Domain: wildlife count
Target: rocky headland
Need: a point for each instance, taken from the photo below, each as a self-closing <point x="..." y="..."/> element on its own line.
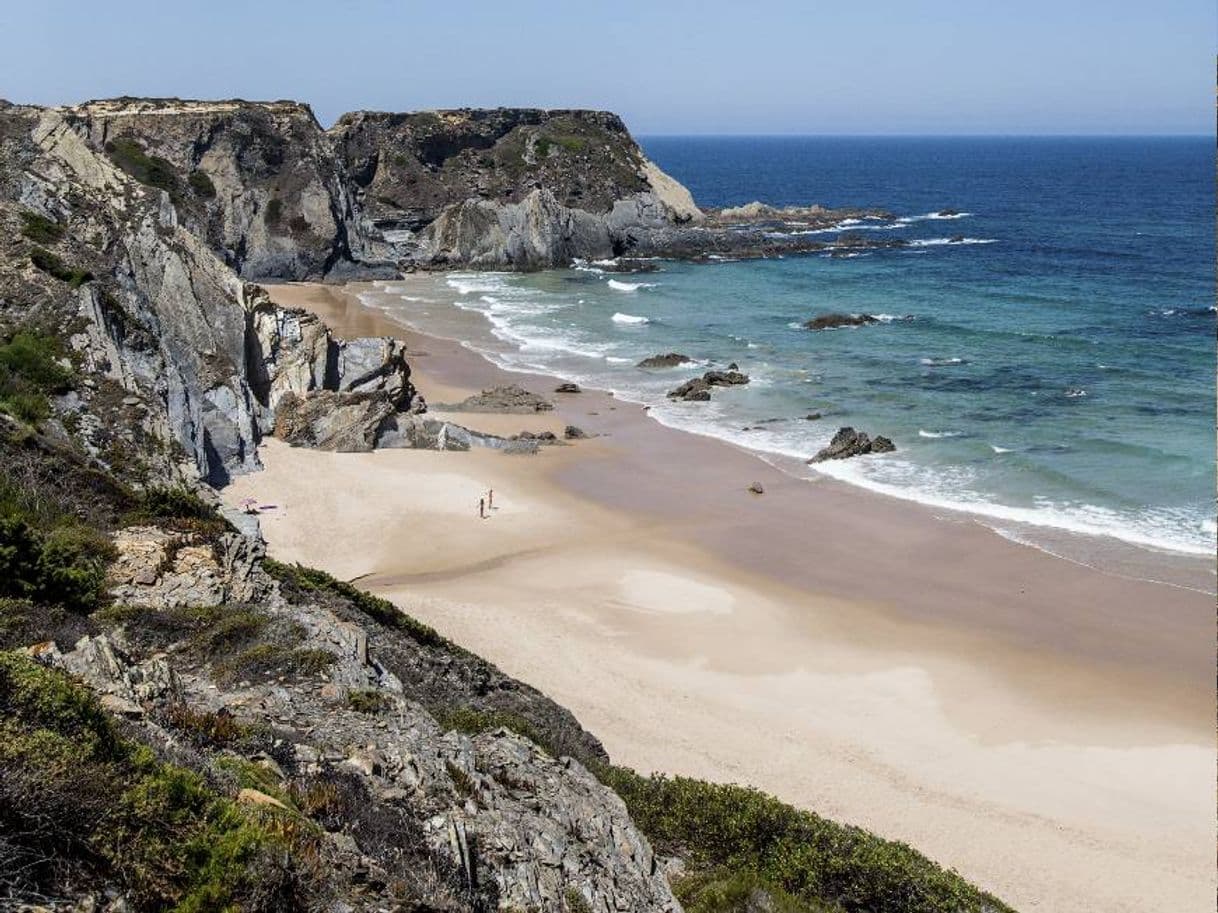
<point x="276" y="195"/>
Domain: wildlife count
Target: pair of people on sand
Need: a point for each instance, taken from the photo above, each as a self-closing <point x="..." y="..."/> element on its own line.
<point x="486" y="503"/>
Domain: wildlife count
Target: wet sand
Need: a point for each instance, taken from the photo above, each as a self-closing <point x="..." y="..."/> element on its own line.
<point x="1043" y="727"/>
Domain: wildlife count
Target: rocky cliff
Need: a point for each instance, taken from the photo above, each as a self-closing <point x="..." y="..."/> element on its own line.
<point x="275" y="195"/>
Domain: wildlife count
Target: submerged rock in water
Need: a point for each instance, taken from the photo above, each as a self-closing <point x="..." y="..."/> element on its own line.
<point x="669" y="360"/>
<point x="833" y="321"/>
<point x="850" y="443"/>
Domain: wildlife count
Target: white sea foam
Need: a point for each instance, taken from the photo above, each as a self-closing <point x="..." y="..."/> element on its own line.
<point x="629" y="319"/>
<point x="939" y="434"/>
<point x="619" y="286"/>
<point x="942" y="362"/>
<point x="997" y="449"/>
<point x="940" y="242"/>
<point x="1075" y="393"/>
<point x="1153" y="528"/>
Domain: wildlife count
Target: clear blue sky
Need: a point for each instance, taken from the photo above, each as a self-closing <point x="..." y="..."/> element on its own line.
<point x="668" y="66"/>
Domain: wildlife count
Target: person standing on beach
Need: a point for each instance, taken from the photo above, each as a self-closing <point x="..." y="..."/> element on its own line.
<point x="490" y="499"/>
<point x="482" y="508"/>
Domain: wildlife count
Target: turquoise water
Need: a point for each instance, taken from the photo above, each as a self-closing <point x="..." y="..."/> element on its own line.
<point x="1055" y="369"/>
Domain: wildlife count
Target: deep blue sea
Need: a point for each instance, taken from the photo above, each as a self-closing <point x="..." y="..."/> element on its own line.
<point x="1056" y="370"/>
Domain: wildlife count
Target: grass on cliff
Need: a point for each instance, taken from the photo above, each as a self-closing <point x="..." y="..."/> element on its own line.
<point x="30" y="373"/>
<point x="79" y="802"/>
<point x="54" y="267"/>
<point x="726" y="831"/>
<point x="304" y="580"/>
<point x="151" y="170"/>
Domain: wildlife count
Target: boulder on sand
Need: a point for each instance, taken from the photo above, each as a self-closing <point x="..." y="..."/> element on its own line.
<point x="850" y="443"/>
<point x="568" y="387"/>
<point x="511" y="398"/>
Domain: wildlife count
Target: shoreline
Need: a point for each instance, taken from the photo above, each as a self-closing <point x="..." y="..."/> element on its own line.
<point x="1018" y="717"/>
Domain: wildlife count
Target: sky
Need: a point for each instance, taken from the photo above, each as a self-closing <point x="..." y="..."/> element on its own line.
<point x="667" y="66"/>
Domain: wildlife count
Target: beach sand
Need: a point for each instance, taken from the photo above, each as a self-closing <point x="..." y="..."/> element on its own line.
<point x="1042" y="727"/>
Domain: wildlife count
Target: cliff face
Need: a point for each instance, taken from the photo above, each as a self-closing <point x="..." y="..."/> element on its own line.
<point x="184" y="363"/>
<point x="274" y="195"/>
<point x="522" y="188"/>
<point x="258" y="181"/>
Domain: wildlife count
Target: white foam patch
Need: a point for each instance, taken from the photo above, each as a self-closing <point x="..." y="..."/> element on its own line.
<point x="629" y="319"/>
<point x="619" y="286"/>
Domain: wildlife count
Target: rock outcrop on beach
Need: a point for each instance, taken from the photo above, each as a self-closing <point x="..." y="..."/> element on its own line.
<point x="850" y="443"/>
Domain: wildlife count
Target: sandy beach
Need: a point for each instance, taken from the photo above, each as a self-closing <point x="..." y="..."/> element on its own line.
<point x="1043" y="727"/>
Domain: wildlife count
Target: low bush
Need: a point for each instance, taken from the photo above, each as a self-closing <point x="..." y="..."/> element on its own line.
<point x="179" y="509"/>
<point x="64" y="566"/>
<point x="80" y="803"/>
<point x="366" y="700"/>
<point x="201" y="184"/>
<point x="734" y="829"/>
<point x="29" y="373"/>
<point x="306" y="580"/>
<point x="50" y="264"/>
<point x="473" y="722"/>
<point x="39" y="229"/>
<point x="152" y="170"/>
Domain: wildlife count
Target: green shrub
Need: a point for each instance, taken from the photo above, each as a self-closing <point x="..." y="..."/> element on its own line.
<point x="152" y="170"/>
<point x="181" y="510"/>
<point x="79" y="800"/>
<point x="308" y="580"/>
<point x="473" y="722"/>
<point x="739" y="892"/>
<point x="274" y="211"/>
<point x="56" y="268"/>
<point x="201" y="184"/>
<point x="733" y="829"/>
<point x="63" y="566"/>
<point x="39" y="229"/>
<point x="366" y="700"/>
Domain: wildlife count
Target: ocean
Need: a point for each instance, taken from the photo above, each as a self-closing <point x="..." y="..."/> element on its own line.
<point x="1053" y="374"/>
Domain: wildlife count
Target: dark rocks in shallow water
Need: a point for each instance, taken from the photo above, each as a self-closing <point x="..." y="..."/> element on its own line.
<point x="956" y="239"/>
<point x="541" y="437"/>
<point x="733" y="367"/>
<point x="670" y="360"/>
<point x="694" y="390"/>
<point x="812" y="416"/>
<point x="850" y="443"/>
<point x="833" y="321"/>
<point x="574" y="433"/>
<point x="698" y="389"/>
<point x="947" y="213"/>
<point x="568" y="388"/>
